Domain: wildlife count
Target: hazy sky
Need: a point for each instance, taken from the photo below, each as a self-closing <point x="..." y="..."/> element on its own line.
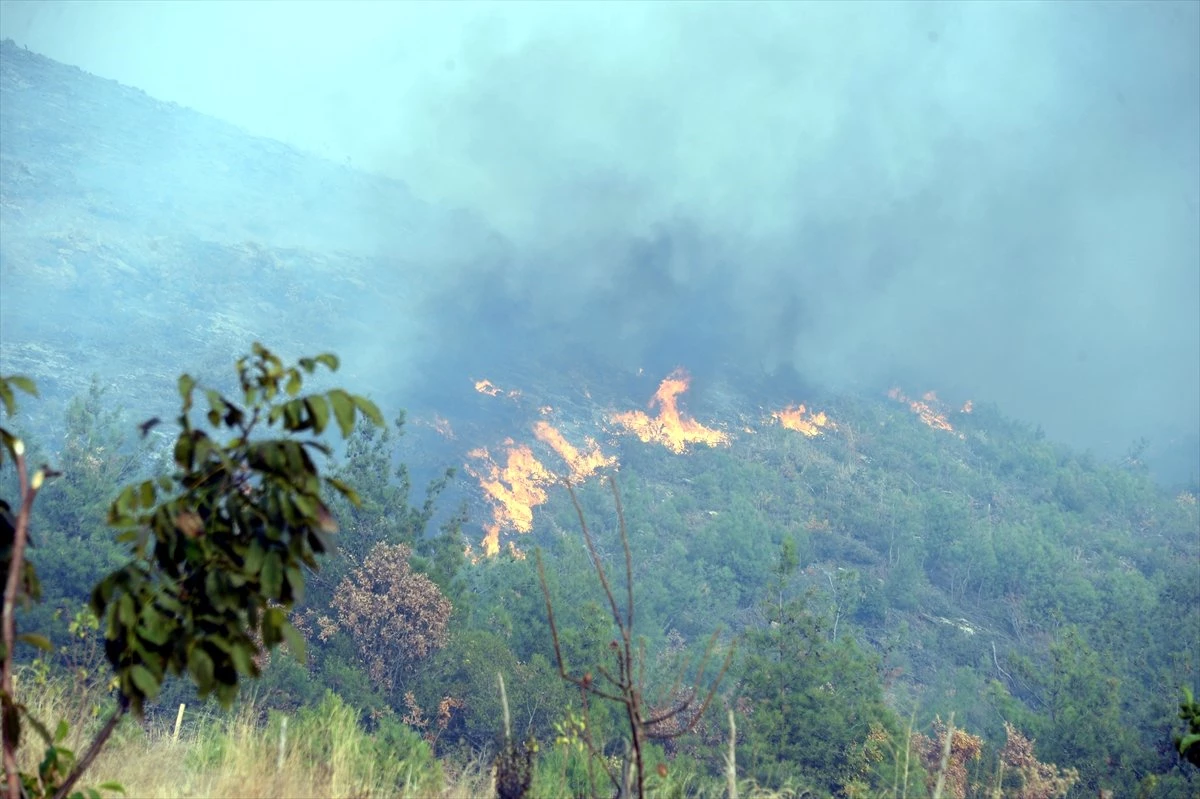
<point x="1000" y="200"/>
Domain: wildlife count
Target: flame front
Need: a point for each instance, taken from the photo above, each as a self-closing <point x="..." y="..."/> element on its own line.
<point x="513" y="491"/>
<point x="797" y="417"/>
<point x="487" y="387"/>
<point x="669" y="428"/>
<point x="924" y="409"/>
<point x="582" y="466"/>
<point x="492" y="390"/>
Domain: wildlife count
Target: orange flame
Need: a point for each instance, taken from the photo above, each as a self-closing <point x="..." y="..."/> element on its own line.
<point x="492" y="390"/>
<point x="513" y="491"/>
<point x="487" y="387"/>
<point x="670" y="428"/>
<point x="582" y="466"/>
<point x="924" y="409"/>
<point x="797" y="417"/>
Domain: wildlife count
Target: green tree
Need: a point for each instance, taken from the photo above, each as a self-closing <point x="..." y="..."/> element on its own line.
<point x="1083" y="703"/>
<point x="1188" y="743"/>
<point x="811" y="702"/>
<point x="218" y="548"/>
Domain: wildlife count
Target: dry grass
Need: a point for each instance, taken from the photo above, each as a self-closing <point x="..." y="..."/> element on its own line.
<point x="326" y="753"/>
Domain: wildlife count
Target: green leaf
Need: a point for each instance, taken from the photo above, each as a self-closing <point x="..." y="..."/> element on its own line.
<point x="200" y="665"/>
<point x="6" y="397"/>
<point x="307" y="364"/>
<point x="295" y="579"/>
<point x="369" y="410"/>
<point x="186" y="384"/>
<point x="40" y="641"/>
<point x="329" y="359"/>
<point x="272" y="575"/>
<point x="144" y="681"/>
<point x="253" y="562"/>
<point x="318" y="412"/>
<point x="217" y="406"/>
<point x="7" y="440"/>
<point x="125" y="612"/>
<point x="272" y="626"/>
<point x="291" y="417"/>
<point x="60" y="732"/>
<point x="343" y="488"/>
<point x="185" y="450"/>
<point x="293" y="383"/>
<point x="127" y="502"/>
<point x="234" y="416"/>
<point x="343" y="409"/>
<point x="243" y="660"/>
<point x="147" y="494"/>
<point x="153" y="628"/>
<point x="111" y="786"/>
<point x="295" y="642"/>
<point x="40" y="729"/>
<point x="24" y="383"/>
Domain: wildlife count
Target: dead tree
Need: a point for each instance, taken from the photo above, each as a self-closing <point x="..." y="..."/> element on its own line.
<point x="626" y="684"/>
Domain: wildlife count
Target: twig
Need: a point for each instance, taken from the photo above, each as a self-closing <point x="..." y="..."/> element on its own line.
<point x="731" y="759"/>
<point x="625" y="686"/>
<point x="941" y="777"/>
<point x="9" y="619"/>
<point x="98" y="742"/>
<point x="504" y="704"/>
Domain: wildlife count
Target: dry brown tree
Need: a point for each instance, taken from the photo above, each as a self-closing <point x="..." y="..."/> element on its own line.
<point x="395" y="615"/>
<point x="1037" y="780"/>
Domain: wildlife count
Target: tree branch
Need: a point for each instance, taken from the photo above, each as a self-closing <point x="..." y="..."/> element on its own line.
<point x="12" y="587"/>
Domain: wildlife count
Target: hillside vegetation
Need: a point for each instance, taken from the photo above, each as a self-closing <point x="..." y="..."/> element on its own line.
<point x="891" y="597"/>
<point x="878" y="581"/>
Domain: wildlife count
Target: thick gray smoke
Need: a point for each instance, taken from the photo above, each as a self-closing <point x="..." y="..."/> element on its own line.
<point x="996" y="200"/>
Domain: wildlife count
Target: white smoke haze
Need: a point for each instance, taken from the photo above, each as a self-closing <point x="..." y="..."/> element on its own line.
<point x="995" y="200"/>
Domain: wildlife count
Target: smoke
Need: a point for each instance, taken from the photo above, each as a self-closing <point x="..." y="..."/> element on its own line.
<point x="999" y="201"/>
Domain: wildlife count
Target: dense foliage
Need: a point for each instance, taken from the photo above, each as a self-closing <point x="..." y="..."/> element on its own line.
<point x="216" y="549"/>
<point x="989" y="609"/>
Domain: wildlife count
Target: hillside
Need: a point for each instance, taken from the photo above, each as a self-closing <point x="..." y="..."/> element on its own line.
<point x="885" y="556"/>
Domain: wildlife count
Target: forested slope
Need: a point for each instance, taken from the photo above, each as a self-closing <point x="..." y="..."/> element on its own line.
<point x="879" y="562"/>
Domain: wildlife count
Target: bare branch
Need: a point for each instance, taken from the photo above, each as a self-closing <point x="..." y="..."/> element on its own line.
<point x="12" y="585"/>
<point x="630" y="672"/>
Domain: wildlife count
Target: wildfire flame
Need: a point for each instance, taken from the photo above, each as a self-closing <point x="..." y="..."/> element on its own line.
<point x="492" y="390"/>
<point x="487" y="387"/>
<point x="669" y="428"/>
<point x="924" y="408"/>
<point x="514" y="491"/>
<point x="582" y="465"/>
<point x="799" y="418"/>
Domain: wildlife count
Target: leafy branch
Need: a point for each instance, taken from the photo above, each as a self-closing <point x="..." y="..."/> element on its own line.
<point x="218" y="549"/>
